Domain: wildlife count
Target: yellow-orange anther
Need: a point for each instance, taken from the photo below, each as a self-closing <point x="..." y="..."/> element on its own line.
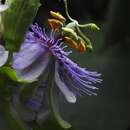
<point x="70" y="42"/>
<point x="55" y="24"/>
<point x="58" y="16"/>
<point x="81" y="47"/>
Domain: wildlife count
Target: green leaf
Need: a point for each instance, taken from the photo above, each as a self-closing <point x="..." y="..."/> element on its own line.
<point x="10" y="73"/>
<point x="16" y="21"/>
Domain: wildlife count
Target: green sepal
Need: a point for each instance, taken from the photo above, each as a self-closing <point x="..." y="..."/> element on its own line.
<point x="16" y="21"/>
<point x="11" y="74"/>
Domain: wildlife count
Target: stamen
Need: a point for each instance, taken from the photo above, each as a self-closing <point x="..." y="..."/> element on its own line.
<point x="70" y="42"/>
<point x="58" y="16"/>
<point x="81" y="47"/>
<point x="55" y="24"/>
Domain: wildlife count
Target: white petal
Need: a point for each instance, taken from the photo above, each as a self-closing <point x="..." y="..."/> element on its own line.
<point x="32" y="72"/>
<point x="3" y="55"/>
<point x="3" y="7"/>
<point x="70" y="96"/>
<point x="2" y="48"/>
<point x="27" y="55"/>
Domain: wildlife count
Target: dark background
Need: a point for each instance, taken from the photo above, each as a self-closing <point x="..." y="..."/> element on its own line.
<point x="110" y="110"/>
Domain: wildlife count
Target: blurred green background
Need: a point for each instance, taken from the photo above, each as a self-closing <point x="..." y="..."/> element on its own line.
<point x="110" y="110"/>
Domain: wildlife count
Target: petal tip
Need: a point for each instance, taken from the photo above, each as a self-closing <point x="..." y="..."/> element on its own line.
<point x="71" y="99"/>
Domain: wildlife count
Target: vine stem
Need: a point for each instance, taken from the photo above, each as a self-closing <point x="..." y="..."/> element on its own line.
<point x="73" y="20"/>
<point x="67" y="13"/>
<point x="53" y="100"/>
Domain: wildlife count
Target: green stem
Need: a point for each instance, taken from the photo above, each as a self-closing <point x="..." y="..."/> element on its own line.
<point x="53" y="104"/>
<point x="64" y="124"/>
<point x="67" y="13"/>
<point x="83" y="25"/>
<point x="75" y="21"/>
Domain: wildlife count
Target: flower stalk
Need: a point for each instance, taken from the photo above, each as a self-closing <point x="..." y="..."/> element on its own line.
<point x="53" y="101"/>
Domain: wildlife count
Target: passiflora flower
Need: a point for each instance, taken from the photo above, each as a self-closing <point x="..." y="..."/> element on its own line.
<point x="36" y="54"/>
